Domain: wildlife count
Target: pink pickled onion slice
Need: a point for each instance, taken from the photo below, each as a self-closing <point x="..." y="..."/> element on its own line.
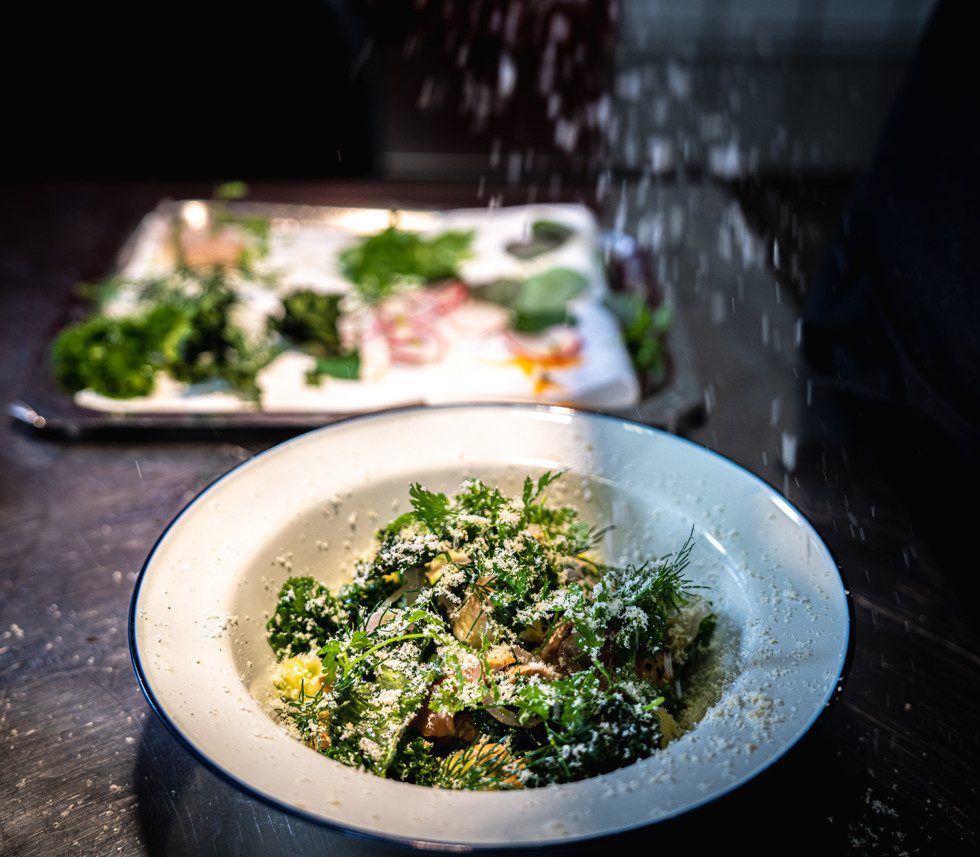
<point x="415" y="343"/>
<point x="448" y="297"/>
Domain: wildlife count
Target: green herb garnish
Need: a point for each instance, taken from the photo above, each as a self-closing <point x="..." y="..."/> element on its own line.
<point x="539" y="302"/>
<point x="546" y="235"/>
<point x="395" y="258"/>
<point x="182" y="325"/>
<point x="310" y="323"/>
<point x="644" y="330"/>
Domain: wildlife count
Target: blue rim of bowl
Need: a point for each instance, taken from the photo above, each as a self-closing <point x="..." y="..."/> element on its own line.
<point x="449" y="847"/>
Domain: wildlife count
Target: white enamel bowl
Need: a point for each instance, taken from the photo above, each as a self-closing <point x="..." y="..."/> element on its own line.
<point x="306" y="506"/>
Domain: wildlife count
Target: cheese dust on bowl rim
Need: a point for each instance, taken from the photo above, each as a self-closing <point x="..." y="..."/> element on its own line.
<point x="312" y="505"/>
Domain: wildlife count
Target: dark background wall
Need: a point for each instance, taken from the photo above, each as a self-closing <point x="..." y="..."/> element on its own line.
<point x="187" y="89"/>
<point x="319" y="88"/>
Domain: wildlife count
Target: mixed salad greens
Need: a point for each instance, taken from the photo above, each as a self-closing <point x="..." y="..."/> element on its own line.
<point x="485" y="645"/>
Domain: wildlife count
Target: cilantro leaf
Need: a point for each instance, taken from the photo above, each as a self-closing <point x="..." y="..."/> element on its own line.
<point x="430" y="507"/>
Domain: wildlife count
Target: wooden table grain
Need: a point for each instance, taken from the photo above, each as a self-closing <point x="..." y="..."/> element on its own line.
<point x="86" y="768"/>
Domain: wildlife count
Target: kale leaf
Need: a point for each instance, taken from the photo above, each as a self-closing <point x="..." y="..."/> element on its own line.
<point x="306" y="616"/>
<point x="415" y="762"/>
<point x="592" y="728"/>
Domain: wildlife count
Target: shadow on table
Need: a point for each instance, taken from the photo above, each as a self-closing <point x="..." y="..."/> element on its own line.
<point x="185" y="809"/>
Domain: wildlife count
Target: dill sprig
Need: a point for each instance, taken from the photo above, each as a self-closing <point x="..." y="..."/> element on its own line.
<point x="482" y="765"/>
<point x="626" y="614"/>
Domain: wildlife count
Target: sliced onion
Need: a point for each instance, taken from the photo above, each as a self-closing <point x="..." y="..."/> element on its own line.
<point x="374" y="620"/>
<point x="418" y="348"/>
<point x="448" y="297"/>
<point x="404" y="307"/>
<point x="412" y="341"/>
<point x="480" y="317"/>
<point x="502" y="715"/>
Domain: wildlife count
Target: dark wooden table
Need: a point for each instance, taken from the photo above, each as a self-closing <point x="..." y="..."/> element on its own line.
<point x="85" y="767"/>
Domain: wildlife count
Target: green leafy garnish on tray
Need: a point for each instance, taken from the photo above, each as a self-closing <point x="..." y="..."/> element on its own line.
<point x="546" y="235"/>
<point x="346" y="367"/>
<point x="181" y="325"/>
<point x="115" y="357"/>
<point x="539" y="302"/>
<point x="189" y="324"/>
<point x="543" y="299"/>
<point x="644" y="330"/>
<point x="310" y="323"/>
<point x="484" y="644"/>
<point x="381" y="263"/>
